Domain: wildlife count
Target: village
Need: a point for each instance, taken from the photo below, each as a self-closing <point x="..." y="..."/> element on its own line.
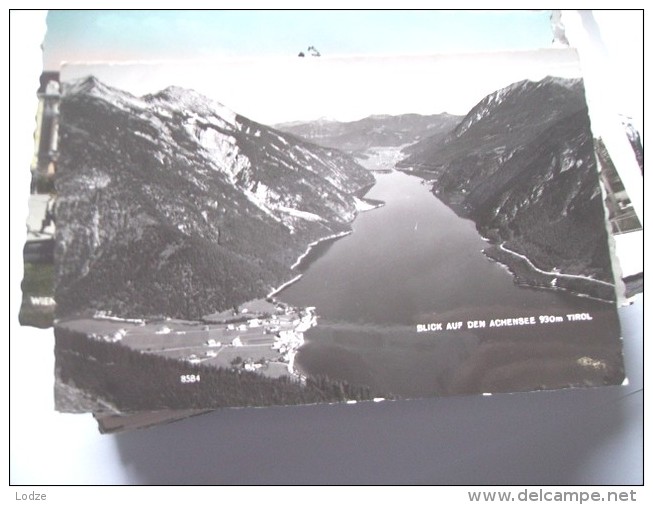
<point x="259" y="336"/>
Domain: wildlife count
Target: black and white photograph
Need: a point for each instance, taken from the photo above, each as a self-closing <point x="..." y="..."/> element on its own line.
<point x="320" y="230"/>
<point x="327" y="246"/>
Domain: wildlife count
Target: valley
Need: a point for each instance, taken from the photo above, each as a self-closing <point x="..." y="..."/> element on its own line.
<point x="203" y="243"/>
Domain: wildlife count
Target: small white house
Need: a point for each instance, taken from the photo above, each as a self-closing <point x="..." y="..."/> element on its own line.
<point x="117" y="336"/>
<point x="252" y="367"/>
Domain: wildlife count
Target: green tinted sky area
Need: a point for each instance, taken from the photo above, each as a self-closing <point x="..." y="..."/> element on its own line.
<point x="137" y="35"/>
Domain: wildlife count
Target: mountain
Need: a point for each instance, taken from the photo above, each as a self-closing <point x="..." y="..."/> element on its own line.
<point x="521" y="165"/>
<point x="372" y="131"/>
<point x="171" y="204"/>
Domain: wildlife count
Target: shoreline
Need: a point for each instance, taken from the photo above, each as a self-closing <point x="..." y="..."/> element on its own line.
<point x="305" y="323"/>
<point x="362" y="204"/>
<point x="525" y="274"/>
<point x="313" y="244"/>
<point x="277" y="290"/>
<point x="549" y="272"/>
<point x="366" y="204"/>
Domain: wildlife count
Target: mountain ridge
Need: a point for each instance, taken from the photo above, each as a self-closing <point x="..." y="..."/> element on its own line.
<point x="171" y="204"/>
<point x="521" y="165"/>
<point x="380" y="130"/>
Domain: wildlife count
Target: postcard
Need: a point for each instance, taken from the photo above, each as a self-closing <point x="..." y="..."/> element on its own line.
<point x="309" y="230"/>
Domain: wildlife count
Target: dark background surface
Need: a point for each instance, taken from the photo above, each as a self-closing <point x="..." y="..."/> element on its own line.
<point x="591" y="436"/>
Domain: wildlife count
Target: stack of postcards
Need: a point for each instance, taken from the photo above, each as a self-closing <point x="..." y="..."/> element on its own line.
<point x="322" y="229"/>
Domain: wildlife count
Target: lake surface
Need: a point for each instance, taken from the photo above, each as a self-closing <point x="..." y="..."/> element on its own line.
<point x="414" y="261"/>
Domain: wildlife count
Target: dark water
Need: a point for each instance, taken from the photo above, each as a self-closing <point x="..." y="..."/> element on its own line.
<point x="414" y="261"/>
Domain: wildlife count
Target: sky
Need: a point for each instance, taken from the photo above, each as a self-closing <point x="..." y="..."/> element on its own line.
<point x="136" y="35"/>
<point x="247" y="60"/>
<point x="273" y="90"/>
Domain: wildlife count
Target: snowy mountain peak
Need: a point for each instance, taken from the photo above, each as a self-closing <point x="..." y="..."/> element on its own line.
<point x="190" y="101"/>
<point x="573" y="84"/>
<point x="517" y="97"/>
<point x="92" y="86"/>
<point x="185" y="101"/>
<point x="87" y="85"/>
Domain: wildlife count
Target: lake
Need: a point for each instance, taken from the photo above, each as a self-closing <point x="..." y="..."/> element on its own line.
<point x="414" y="261"/>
